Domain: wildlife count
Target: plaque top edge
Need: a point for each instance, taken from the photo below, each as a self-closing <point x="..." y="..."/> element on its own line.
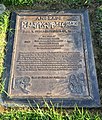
<point x="52" y="12"/>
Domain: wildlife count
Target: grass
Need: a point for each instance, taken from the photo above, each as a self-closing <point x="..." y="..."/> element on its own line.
<point x="48" y="114"/>
<point x="95" y="11"/>
<point x="17" y="2"/>
<point x="96" y="30"/>
<point x="50" y="4"/>
<point x="3" y="30"/>
<point x="31" y="2"/>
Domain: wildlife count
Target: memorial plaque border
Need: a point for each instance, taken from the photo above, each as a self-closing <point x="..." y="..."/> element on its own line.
<point x="92" y="100"/>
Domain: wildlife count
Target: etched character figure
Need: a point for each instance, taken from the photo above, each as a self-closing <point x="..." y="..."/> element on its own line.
<point x="22" y="83"/>
<point x="82" y="81"/>
<point x="73" y="85"/>
<point x="76" y="83"/>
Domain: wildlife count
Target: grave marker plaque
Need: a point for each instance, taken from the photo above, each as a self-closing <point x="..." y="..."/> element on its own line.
<point x="50" y="57"/>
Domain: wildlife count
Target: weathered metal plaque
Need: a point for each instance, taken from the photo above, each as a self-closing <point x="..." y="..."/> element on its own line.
<point x="51" y="58"/>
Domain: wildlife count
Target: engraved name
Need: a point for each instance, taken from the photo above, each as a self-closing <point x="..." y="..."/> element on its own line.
<point x="47" y="25"/>
<point x="48" y="18"/>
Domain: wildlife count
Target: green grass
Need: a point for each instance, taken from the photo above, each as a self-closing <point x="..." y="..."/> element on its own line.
<point x="48" y="114"/>
<point x="96" y="30"/>
<point x="3" y="30"/>
<point x="95" y="11"/>
<point x="17" y="2"/>
<point x="50" y="4"/>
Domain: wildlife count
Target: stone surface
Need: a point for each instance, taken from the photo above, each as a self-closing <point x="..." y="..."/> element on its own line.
<point x="2" y="8"/>
<point x="50" y="57"/>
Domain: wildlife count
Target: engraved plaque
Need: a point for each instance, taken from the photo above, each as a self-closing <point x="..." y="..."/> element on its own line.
<point x="51" y="58"/>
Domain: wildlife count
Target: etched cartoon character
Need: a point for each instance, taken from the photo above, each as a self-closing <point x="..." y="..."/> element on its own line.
<point x="73" y="85"/>
<point x="22" y="83"/>
<point x="76" y="83"/>
<point x="81" y="80"/>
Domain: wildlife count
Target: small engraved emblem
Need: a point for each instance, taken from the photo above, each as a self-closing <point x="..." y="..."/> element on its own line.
<point x="22" y="83"/>
<point x="77" y="83"/>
